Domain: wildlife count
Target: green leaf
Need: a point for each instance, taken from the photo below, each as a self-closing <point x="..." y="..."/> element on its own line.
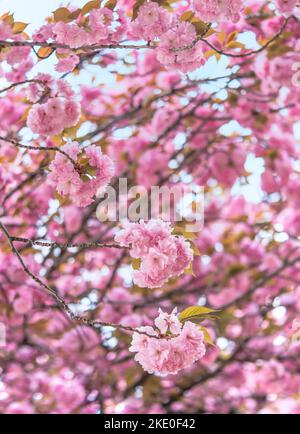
<point x="85" y="178"/>
<point x="200" y="26"/>
<point x="8" y="18"/>
<point x="231" y="37"/>
<point x="195" y="248"/>
<point x="92" y="171"/>
<point x="111" y="4"/>
<point x="94" y="4"/>
<point x="45" y="52"/>
<point x="235" y="269"/>
<point x="180" y="230"/>
<point x="277" y="49"/>
<point x="189" y="269"/>
<point x="207" y="338"/>
<point x="74" y="15"/>
<point x="235" y="44"/>
<point x="136" y="263"/>
<point x="62" y="14"/>
<point x="187" y="16"/>
<point x="71" y="131"/>
<point x="19" y="27"/>
<point x="61" y="199"/>
<point x="194" y="312"/>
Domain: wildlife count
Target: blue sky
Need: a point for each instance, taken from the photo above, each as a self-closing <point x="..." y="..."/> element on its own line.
<point x="33" y="11"/>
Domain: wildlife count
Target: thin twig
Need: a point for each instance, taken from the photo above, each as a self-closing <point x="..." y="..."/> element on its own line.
<point x="65" y="245"/>
<point x="40" y="148"/>
<point x="77" y="318"/>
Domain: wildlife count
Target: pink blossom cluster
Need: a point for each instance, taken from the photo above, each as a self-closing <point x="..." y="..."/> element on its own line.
<point x="162" y="254"/>
<point x="11" y="110"/>
<point x="44" y="86"/>
<point x="97" y="29"/>
<point x="75" y="36"/>
<point x="177" y="47"/>
<point x="67" y="63"/>
<point x="174" y="347"/>
<point x="287" y="7"/>
<point x="59" y="111"/>
<point x="216" y="10"/>
<point x="280" y="71"/>
<point x="152" y="21"/>
<point x="18" y="58"/>
<point x="73" y="181"/>
<point x="53" y="117"/>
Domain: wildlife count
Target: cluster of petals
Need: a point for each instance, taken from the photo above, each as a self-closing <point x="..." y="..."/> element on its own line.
<point x="45" y="86"/>
<point x="67" y="63"/>
<point x="72" y="181"/>
<point x="288" y="7"/>
<point x="173" y="347"/>
<point x="59" y="111"/>
<point x="54" y="116"/>
<point x="152" y="21"/>
<point x="97" y="30"/>
<point x="216" y="10"/>
<point x="11" y="111"/>
<point x="176" y="48"/>
<point x="74" y="35"/>
<point x="162" y="254"/>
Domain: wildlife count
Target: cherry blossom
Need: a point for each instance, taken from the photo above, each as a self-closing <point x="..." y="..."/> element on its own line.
<point x="162" y="254"/>
<point x="168" y="354"/>
<point x="214" y="10"/>
<point x="176" y="48"/>
<point x="53" y="117"/>
<point x="70" y="180"/>
<point x="152" y="21"/>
